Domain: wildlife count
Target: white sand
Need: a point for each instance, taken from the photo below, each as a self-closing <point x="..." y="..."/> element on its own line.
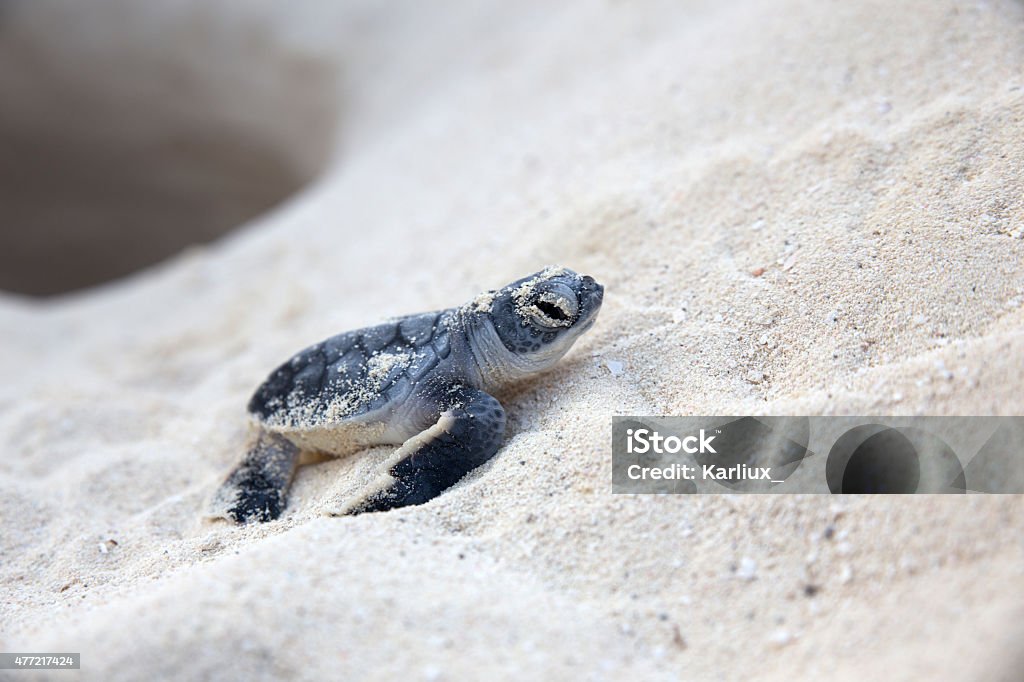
<point x="867" y="156"/>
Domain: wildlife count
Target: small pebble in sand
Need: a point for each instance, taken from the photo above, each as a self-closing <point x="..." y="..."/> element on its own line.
<point x="845" y="574"/>
<point x="615" y="367"/>
<point x="747" y="569"/>
<point x="780" y="638"/>
<point x="678" y="639"/>
<point x="757" y="272"/>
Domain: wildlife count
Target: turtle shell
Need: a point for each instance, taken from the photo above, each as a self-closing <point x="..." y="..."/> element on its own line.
<point x="353" y="374"/>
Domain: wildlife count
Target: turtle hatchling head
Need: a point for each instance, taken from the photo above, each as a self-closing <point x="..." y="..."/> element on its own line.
<point x="536" y="319"/>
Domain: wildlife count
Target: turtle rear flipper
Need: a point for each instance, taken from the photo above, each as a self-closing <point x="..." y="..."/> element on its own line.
<point x="256" y="490"/>
<point x="468" y="432"/>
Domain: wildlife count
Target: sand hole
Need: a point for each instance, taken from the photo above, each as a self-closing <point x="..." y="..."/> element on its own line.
<point x="129" y="131"/>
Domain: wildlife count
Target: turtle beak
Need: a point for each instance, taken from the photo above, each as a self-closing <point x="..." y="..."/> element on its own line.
<point x="592" y="293"/>
<point x="591" y="296"/>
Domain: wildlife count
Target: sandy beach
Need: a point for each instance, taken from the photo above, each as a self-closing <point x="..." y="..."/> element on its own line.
<point x="795" y="207"/>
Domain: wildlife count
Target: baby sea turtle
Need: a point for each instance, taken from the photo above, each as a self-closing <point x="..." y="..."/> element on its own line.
<point x="424" y="381"/>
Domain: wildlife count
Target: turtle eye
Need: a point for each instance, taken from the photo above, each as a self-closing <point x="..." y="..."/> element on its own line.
<point x="553" y="310"/>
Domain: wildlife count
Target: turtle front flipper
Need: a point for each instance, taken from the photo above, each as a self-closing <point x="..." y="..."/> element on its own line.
<point x="468" y="432"/>
<point x="257" y="488"/>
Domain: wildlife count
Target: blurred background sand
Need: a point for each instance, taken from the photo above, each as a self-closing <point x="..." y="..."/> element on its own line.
<point x="795" y="207"/>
